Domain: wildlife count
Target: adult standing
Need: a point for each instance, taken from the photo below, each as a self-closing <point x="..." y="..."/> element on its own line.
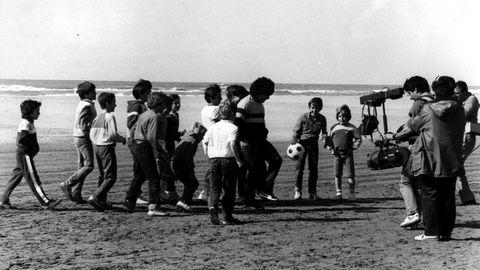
<point x="470" y="104"/>
<point x="436" y="157"/>
<point x="418" y="89"/>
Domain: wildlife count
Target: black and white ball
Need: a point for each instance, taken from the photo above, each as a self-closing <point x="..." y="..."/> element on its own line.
<point x="295" y="151"/>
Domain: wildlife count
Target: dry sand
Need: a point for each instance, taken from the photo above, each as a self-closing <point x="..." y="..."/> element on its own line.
<point x="325" y="234"/>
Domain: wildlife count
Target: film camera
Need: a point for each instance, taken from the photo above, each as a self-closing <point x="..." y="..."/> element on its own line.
<point x="389" y="154"/>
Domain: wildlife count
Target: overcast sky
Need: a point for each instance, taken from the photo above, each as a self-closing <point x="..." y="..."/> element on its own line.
<point x="318" y="41"/>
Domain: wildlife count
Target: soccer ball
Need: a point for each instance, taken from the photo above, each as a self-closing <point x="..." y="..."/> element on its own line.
<point x="295" y="151"/>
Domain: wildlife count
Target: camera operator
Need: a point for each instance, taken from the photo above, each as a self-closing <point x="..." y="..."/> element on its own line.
<point x="470" y="104"/>
<point x="418" y="89"/>
<point x="436" y="157"/>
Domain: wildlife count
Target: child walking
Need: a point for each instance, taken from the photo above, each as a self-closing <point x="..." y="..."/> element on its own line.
<point x="27" y="148"/>
<point x="210" y="115"/>
<point x="84" y="116"/>
<point x="148" y="136"/>
<point x="104" y="137"/>
<point x="221" y="147"/>
<point x="140" y="92"/>
<point x="183" y="166"/>
<point x="172" y="136"/>
<point x="307" y="131"/>
<point x="345" y="138"/>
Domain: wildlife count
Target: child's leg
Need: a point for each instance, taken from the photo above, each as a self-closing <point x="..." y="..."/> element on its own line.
<point x="299" y="169"/>
<point x="99" y="153"/>
<point x="107" y="159"/>
<point x="33" y="180"/>
<point x="229" y="168"/>
<point x="215" y="182"/>
<point x="350" y="168"/>
<point x="146" y="158"/>
<point x="139" y="178"/>
<point x="85" y="164"/>
<point x="274" y="160"/>
<point x="15" y="180"/>
<point x="313" y="169"/>
<point x="338" y="167"/>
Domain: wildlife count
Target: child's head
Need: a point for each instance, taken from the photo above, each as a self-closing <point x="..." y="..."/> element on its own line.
<point x="343" y="114"/>
<point x="461" y="91"/>
<point x="107" y="101"/>
<point x="157" y="102"/>
<point x="198" y="131"/>
<point x="261" y="89"/>
<point x="141" y="90"/>
<point x="213" y="94"/>
<point x="444" y="87"/>
<point x="30" y="109"/>
<point x="415" y="86"/>
<point x="86" y="90"/>
<point x="236" y="92"/>
<point x="227" y="110"/>
<point x="175" y="102"/>
<point x="315" y="105"/>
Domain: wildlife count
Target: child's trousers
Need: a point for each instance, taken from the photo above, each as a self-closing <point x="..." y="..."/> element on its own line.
<point x="107" y="166"/>
<point x="186" y="175"/>
<point x="224" y="175"/>
<point x="25" y="168"/>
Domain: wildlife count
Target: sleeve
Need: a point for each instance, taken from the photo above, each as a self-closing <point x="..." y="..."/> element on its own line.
<point x="232" y="136"/>
<point x="216" y="114"/>
<point x="416" y="123"/>
<point x="190" y="154"/>
<point x="132" y="116"/>
<point x="85" y="119"/>
<point x="297" y="130"/>
<point x="471" y="107"/>
<point x="112" y="130"/>
<point x="324" y="126"/>
<point x="23" y="137"/>
<point x="357" y="137"/>
<point x="206" y="139"/>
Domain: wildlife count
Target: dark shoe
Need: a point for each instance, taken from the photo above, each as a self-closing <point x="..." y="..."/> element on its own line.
<point x="7" y="206"/>
<point x="471" y="202"/>
<point x="78" y="199"/>
<point x="129" y="205"/>
<point x="51" y="204"/>
<point x="214" y="216"/>
<point x="67" y="190"/>
<point x="231" y="221"/>
<point x="96" y="203"/>
<point x="253" y="206"/>
<point x="108" y="205"/>
<point x="444" y="238"/>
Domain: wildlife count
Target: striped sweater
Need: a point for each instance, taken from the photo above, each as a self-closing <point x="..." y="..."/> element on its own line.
<point x="104" y="130"/>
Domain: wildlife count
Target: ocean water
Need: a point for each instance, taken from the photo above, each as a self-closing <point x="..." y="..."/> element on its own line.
<point x="124" y="88"/>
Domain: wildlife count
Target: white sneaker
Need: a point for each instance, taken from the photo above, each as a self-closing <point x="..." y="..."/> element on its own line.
<point x="203" y="195"/>
<point x="153" y="211"/>
<point x="338" y="195"/>
<point x="410" y="220"/>
<point x="423" y="237"/>
<point x="184" y="206"/>
<point x="297" y="195"/>
<point x="141" y="201"/>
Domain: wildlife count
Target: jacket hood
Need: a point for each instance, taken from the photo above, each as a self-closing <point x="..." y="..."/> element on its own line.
<point x="133" y="102"/>
<point x="443" y="108"/>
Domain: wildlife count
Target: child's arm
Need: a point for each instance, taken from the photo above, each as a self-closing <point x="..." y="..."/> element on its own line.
<point x="236" y="152"/>
<point x="85" y="119"/>
<point x="113" y="132"/>
<point x="323" y="131"/>
<point x="133" y="116"/>
<point x="357" y="138"/>
<point x="205" y="140"/>
<point x="297" y="130"/>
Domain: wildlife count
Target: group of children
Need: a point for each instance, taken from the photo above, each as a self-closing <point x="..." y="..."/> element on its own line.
<point x="233" y="136"/>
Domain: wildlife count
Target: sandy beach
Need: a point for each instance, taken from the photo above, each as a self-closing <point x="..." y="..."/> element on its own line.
<point x="326" y="234"/>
